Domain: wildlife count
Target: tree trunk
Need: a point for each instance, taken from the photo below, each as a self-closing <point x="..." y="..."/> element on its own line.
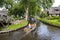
<point x="2" y="24"/>
<point x="26" y="14"/>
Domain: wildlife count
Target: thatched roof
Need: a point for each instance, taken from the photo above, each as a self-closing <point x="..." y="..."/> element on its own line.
<point x="3" y="12"/>
<point x="54" y="10"/>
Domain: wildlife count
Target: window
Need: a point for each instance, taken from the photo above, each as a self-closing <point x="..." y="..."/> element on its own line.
<point x="56" y="9"/>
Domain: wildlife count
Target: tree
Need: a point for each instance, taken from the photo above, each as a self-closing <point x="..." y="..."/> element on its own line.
<point x="16" y="9"/>
<point x="34" y="10"/>
<point x="6" y="3"/>
<point x="34" y="4"/>
<point x="43" y="15"/>
<point x="41" y="3"/>
<point x="1" y="3"/>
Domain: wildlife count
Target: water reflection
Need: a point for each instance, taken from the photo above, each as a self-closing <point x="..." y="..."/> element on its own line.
<point x="43" y="32"/>
<point x="55" y="33"/>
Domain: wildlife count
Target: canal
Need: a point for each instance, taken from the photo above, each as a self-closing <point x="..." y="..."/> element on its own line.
<point x="42" y="32"/>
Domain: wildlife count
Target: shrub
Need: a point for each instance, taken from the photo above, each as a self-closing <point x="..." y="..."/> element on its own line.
<point x="43" y="15"/>
<point x="49" y="18"/>
<point x="58" y="20"/>
<point x="52" y="18"/>
<point x="55" y="17"/>
<point x="16" y="10"/>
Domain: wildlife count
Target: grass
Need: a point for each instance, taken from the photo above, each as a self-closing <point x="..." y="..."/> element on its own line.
<point x="54" y="22"/>
<point x="15" y="26"/>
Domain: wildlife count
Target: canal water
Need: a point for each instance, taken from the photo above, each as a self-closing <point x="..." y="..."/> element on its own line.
<point x="42" y="32"/>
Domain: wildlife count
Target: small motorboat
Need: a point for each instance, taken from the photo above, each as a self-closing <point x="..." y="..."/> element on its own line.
<point x="30" y="27"/>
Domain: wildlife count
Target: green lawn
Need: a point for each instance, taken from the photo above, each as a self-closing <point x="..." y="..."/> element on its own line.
<point x="54" y="22"/>
<point x="16" y="26"/>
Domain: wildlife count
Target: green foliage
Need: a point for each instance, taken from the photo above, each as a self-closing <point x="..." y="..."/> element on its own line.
<point x="17" y="10"/>
<point x="55" y="17"/>
<point x="10" y="2"/>
<point x="52" y="17"/>
<point x="47" y="3"/>
<point x="34" y="6"/>
<point x="32" y="0"/>
<point x="49" y="18"/>
<point x="41" y="3"/>
<point x="33" y="10"/>
<point x="43" y="15"/>
<point x="59" y="20"/>
<point x="1" y="3"/>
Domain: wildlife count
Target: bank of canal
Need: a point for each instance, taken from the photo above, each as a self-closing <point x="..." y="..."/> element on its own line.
<point x="42" y="32"/>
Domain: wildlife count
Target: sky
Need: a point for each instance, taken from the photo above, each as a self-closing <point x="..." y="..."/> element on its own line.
<point x="56" y="3"/>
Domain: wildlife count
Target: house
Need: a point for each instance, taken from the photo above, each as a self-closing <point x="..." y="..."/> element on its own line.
<point x="54" y="11"/>
<point x="3" y="13"/>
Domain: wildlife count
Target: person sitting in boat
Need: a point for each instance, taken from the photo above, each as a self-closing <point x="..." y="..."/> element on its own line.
<point x="29" y="26"/>
<point x="32" y="20"/>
